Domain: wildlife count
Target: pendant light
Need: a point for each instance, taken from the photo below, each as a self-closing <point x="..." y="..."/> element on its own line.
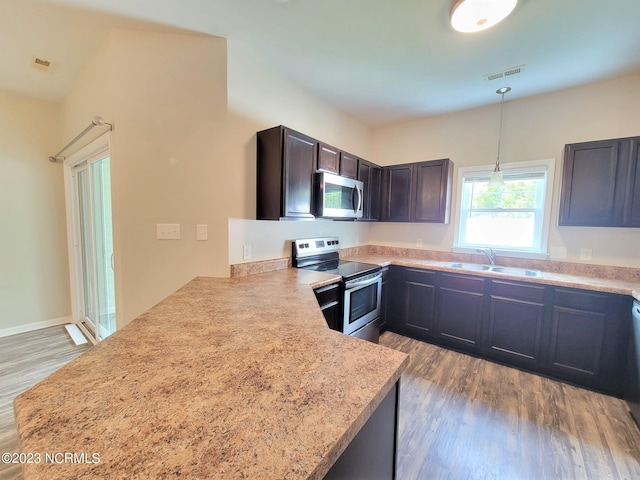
<point x="469" y="16"/>
<point x="496" y="179"/>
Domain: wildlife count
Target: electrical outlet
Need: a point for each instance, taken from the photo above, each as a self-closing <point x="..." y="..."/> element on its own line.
<point x="201" y="232"/>
<point x="418" y="242"/>
<point x="585" y="254"/>
<point x="246" y="253"/>
<point x="558" y="252"/>
<point x="168" y="231"/>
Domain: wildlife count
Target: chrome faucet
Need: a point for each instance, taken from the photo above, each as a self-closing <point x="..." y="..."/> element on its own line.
<point x="491" y="255"/>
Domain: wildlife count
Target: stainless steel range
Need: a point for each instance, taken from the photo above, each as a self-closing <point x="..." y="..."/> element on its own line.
<point x="361" y="282"/>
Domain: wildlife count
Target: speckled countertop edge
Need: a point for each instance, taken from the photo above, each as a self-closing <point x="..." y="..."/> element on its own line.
<point x="226" y="378"/>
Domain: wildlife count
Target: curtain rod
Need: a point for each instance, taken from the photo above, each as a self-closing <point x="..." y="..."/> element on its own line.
<point x="97" y="121"/>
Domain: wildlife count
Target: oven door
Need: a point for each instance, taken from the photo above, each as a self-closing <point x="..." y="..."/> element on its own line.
<point x="361" y="301"/>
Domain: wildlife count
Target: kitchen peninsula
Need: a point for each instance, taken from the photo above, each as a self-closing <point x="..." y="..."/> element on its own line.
<point x="226" y="378"/>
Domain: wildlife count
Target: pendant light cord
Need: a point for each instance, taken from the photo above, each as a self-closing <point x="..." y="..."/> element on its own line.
<point x="497" y="169"/>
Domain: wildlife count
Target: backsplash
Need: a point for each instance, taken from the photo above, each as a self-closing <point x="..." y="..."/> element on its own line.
<point x="624" y="274"/>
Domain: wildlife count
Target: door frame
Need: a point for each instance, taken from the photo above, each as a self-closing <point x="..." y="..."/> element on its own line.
<point x="96" y="147"/>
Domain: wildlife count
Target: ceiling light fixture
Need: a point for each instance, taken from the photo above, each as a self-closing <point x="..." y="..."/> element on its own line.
<point x="496" y="179"/>
<point x="470" y="16"/>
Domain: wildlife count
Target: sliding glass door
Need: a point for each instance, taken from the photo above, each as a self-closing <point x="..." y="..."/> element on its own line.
<point x="93" y="246"/>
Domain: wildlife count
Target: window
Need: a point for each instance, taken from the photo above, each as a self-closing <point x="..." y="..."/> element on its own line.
<point x="514" y="219"/>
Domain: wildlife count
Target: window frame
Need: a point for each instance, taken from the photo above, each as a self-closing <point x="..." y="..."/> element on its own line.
<point x="548" y="166"/>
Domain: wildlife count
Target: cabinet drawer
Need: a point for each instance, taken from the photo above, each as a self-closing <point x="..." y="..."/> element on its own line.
<point x="328" y="294"/>
<point x="461" y="282"/>
<point x="580" y="299"/>
<point x="420" y="276"/>
<point x="518" y="291"/>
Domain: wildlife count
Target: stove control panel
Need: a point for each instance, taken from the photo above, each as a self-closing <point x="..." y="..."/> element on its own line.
<point x="315" y="246"/>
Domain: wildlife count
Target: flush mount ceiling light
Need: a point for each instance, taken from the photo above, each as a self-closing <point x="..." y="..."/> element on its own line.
<point x="470" y="16"/>
<point x="496" y="179"/>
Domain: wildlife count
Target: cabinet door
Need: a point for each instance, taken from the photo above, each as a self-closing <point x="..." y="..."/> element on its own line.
<point x="299" y="161"/>
<point x="375" y="193"/>
<point x="459" y="313"/>
<point x="593" y="183"/>
<point x="370" y="175"/>
<point x="398" y="193"/>
<point x="419" y="302"/>
<point x="589" y="338"/>
<point x="328" y="158"/>
<point x="632" y="200"/>
<point x="515" y="323"/>
<point x="348" y="165"/>
<point x="433" y="191"/>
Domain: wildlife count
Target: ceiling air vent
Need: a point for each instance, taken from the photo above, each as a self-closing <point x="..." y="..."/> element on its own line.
<point x="41" y="63"/>
<point x="506" y="73"/>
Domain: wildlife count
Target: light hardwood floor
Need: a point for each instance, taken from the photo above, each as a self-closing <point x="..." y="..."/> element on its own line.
<point x="466" y="418"/>
<point x="25" y="359"/>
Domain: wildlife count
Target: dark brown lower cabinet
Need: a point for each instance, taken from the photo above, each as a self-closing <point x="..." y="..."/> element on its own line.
<point x="373" y="453"/>
<point x="411" y="302"/>
<point x="459" y="310"/>
<point x="515" y="321"/>
<point x="384" y="300"/>
<point x="589" y="338"/>
<point x="578" y="336"/>
<point x="330" y="300"/>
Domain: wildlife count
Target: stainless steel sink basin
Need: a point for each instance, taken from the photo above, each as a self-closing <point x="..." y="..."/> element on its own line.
<point x="469" y="266"/>
<point x="520" y="272"/>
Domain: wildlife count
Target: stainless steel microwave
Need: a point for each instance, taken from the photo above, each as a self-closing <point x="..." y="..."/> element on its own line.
<point x="337" y="197"/>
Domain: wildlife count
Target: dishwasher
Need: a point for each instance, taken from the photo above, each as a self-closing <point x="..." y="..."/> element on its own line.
<point x="632" y="389"/>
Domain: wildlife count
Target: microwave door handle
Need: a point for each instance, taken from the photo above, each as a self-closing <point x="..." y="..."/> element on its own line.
<point x="359" y="205"/>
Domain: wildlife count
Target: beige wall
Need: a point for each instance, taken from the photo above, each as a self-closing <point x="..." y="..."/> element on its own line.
<point x="34" y="277"/>
<point x="166" y="96"/>
<point x="534" y="128"/>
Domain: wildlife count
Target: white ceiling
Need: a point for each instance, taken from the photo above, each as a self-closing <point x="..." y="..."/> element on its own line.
<point x="381" y="61"/>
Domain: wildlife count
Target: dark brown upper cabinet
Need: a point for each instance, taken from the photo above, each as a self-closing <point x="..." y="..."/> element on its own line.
<point x="286" y="161"/>
<point x="601" y="184"/>
<point x="417" y="192"/>
<point x="370" y="175"/>
<point x="334" y="160"/>
<point x="631" y="216"/>
<point x="328" y="158"/>
<point x="348" y="165"/>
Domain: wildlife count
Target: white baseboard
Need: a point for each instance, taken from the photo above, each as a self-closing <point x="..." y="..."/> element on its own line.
<point x="5" y="332"/>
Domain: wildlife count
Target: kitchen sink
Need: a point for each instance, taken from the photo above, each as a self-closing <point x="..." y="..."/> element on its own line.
<point x="520" y="272"/>
<point x="469" y="266"/>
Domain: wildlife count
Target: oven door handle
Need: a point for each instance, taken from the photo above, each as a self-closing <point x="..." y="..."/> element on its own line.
<point x="362" y="283"/>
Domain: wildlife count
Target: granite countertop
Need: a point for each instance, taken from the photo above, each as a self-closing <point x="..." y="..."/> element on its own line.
<point x="608" y="285"/>
<point x="226" y="378"/>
